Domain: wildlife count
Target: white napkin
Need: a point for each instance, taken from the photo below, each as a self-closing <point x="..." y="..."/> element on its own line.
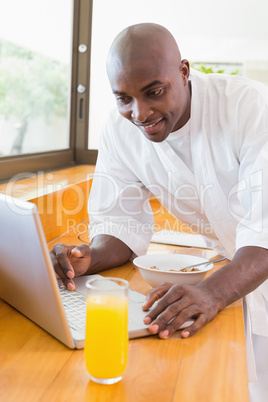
<point x="179" y="239"/>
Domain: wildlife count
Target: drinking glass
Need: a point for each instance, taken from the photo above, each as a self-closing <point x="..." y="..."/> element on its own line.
<point x="106" y="343"/>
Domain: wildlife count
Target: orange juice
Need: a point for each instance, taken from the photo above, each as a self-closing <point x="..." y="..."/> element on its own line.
<point x="106" y="344"/>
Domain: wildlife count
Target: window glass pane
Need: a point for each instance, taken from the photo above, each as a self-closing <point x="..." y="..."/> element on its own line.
<point x="35" y="65"/>
<point x="226" y="36"/>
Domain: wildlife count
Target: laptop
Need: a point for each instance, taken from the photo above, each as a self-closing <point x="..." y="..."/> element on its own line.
<point x="29" y="284"/>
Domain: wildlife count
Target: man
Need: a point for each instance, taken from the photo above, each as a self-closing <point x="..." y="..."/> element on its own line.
<point x="198" y="143"/>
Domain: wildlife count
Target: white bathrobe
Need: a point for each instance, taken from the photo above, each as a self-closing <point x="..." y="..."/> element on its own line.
<point x="216" y="181"/>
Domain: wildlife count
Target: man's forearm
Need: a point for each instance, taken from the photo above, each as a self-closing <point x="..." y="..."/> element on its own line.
<point x="247" y="270"/>
<point x="107" y="252"/>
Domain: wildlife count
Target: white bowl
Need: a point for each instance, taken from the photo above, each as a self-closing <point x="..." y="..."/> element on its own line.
<point x="165" y="262"/>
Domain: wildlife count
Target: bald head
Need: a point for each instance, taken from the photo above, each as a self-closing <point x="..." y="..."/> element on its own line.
<point x="149" y="80"/>
<point x="139" y="42"/>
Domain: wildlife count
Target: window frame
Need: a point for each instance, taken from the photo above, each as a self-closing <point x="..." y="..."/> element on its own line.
<point x="78" y="152"/>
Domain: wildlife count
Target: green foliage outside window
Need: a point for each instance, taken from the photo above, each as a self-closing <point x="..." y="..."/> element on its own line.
<point x="211" y="69"/>
<point x="31" y="84"/>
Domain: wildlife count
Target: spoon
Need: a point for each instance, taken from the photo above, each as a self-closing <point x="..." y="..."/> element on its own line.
<point x="204" y="263"/>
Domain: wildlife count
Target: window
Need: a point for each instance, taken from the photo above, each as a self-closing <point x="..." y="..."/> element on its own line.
<point x="35" y="65"/>
<point x="42" y="71"/>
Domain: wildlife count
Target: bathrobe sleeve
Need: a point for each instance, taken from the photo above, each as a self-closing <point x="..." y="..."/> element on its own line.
<point x="252" y="187"/>
<point x="119" y="202"/>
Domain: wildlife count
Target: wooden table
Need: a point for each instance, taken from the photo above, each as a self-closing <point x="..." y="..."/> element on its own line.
<point x="209" y="367"/>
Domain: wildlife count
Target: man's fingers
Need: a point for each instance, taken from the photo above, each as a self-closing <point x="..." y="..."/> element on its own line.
<point x="170" y="304"/>
<point x="76" y="252"/>
<point x="155" y="295"/>
<point x="178" y="304"/>
<point x="81" y="251"/>
<point x="70" y="261"/>
<point x="61" y="261"/>
<point x="199" y="322"/>
<point x="169" y="329"/>
<point x="174" y="309"/>
<point x="69" y="284"/>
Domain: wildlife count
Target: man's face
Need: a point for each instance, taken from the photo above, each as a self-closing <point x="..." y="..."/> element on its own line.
<point x="152" y="95"/>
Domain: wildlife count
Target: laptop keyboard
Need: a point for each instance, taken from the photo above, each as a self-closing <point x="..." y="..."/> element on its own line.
<point x="74" y="304"/>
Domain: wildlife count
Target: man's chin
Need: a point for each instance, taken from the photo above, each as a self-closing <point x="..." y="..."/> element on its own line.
<point x="156" y="137"/>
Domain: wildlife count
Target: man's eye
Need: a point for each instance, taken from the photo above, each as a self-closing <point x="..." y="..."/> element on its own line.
<point x="156" y="92"/>
<point x="125" y="100"/>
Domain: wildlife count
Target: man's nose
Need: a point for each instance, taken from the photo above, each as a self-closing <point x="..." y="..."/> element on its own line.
<point x="141" y="110"/>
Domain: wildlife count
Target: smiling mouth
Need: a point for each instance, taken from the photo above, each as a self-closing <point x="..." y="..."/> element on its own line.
<point x="151" y="128"/>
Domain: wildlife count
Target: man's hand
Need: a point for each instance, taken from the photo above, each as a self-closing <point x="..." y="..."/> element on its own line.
<point x="70" y="261"/>
<point x="179" y="303"/>
<point x="202" y="302"/>
<point x="104" y="252"/>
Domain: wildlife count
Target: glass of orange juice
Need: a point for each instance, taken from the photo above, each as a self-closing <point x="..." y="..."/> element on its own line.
<point x="106" y="343"/>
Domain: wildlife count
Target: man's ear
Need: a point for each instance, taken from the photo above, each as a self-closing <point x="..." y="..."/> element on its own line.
<point x="185" y="70"/>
